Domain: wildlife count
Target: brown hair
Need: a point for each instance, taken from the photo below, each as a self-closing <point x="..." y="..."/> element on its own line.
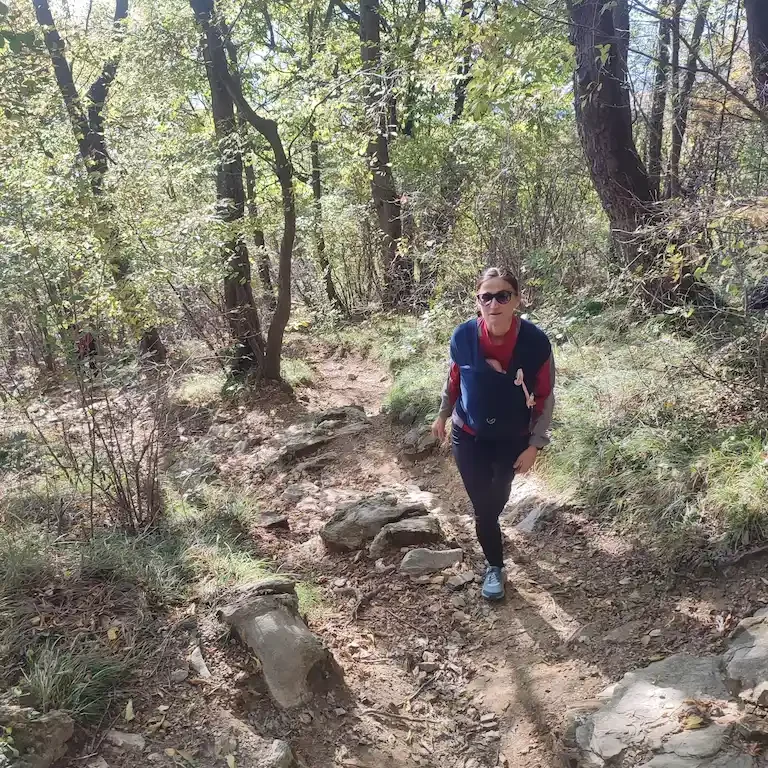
<point x="502" y="273"/>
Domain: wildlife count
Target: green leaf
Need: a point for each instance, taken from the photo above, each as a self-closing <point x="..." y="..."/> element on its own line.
<point x="3" y="9"/>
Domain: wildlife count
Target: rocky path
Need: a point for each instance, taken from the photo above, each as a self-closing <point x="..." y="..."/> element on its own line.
<point x="411" y="667"/>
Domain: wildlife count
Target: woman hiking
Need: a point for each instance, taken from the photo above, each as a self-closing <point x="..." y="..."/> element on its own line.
<point x="499" y="396"/>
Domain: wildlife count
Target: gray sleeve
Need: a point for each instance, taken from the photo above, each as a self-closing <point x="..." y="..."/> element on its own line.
<point x="542" y="423"/>
<point x="445" y="401"/>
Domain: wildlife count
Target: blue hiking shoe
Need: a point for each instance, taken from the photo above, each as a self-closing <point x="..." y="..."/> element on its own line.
<point x="493" y="586"/>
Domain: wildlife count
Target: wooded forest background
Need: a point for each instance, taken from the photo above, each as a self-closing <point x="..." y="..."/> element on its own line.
<point x="177" y="175"/>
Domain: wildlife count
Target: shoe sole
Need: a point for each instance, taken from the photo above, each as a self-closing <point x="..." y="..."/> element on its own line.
<point x="493" y="598"/>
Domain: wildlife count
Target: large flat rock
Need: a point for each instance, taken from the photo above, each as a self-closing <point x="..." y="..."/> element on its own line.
<point x="294" y="661"/>
<point x="41" y="740"/>
<point x="642" y="715"/>
<point x="746" y="660"/>
<point x="305" y="438"/>
<point x="355" y="524"/>
<point x="405" y="533"/>
<point x="422" y="562"/>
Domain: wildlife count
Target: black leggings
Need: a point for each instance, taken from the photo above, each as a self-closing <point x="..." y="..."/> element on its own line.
<point x="487" y="469"/>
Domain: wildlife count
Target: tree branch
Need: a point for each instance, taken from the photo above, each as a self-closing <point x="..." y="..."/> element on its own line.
<point x="704" y="67"/>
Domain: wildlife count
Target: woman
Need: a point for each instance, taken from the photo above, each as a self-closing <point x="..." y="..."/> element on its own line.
<point x="499" y="394"/>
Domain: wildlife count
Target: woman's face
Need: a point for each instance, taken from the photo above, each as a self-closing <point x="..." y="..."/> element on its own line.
<point x="497" y="314"/>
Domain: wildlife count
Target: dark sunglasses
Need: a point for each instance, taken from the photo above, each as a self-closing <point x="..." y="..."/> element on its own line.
<point x="502" y="297"/>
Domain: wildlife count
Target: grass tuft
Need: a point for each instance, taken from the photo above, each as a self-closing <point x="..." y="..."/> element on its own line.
<point x="80" y="682"/>
<point x="417" y="389"/>
<point x="297" y="373"/>
<point x="201" y="389"/>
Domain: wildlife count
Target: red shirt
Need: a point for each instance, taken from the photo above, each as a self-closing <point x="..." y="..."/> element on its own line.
<point x="502" y="352"/>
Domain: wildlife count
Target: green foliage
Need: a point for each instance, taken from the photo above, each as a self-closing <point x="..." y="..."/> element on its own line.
<point x="297" y="373"/>
<point x="80" y="681"/>
<point x="149" y="562"/>
<point x="200" y="389"/>
<point x="639" y="438"/>
<point x="25" y="560"/>
<point x="417" y="390"/>
<point x="16" y="452"/>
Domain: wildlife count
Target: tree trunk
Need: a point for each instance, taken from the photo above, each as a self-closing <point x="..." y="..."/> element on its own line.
<point x="317" y="223"/>
<point x="226" y="84"/>
<point x="265" y="276"/>
<point x="462" y="73"/>
<point x="152" y="348"/>
<point x="658" y="107"/>
<point x="398" y="266"/>
<point x="411" y="88"/>
<point x="600" y="35"/>
<point x="13" y="352"/>
<point x="242" y="315"/>
<point x="757" y="26"/>
<point x="682" y="102"/>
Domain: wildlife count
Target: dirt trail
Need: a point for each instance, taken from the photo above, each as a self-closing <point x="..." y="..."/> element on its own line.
<point x="580" y="608"/>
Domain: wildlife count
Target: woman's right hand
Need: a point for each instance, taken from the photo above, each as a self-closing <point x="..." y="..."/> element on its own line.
<point x="438" y="428"/>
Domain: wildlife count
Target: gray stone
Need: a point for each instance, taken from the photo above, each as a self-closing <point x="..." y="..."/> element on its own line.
<point x="403" y="533"/>
<point x="197" y="662"/>
<point x="704" y="742"/>
<point x="179" y="675"/>
<point x="40" y="739"/>
<point x="353" y="525"/>
<point x="625" y="633"/>
<point x="421" y="562"/>
<point x="640" y="713"/>
<point x="460" y="580"/>
<point x="261" y="752"/>
<point x="273" y="520"/>
<point x="298" y="491"/>
<point x="301" y="440"/>
<point x="419" y="441"/>
<point x="293" y="659"/>
<point x="730" y="759"/>
<point x="746" y="660"/>
<point x="132" y="741"/>
<point x="530" y="502"/>
<point x="538" y="517"/>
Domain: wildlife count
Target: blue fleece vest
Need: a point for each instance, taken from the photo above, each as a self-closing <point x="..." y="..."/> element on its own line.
<point x="491" y="404"/>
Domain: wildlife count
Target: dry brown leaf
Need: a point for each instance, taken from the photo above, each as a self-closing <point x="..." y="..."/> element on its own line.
<point x="129" y="715"/>
<point x="156" y="725"/>
<point x="112" y="634"/>
<point x="231" y="761"/>
<point x="693" y="723"/>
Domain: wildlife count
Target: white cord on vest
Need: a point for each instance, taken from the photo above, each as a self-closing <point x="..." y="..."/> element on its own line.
<point x="530" y="400"/>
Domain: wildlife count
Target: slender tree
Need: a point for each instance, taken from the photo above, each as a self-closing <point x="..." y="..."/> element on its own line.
<point x="757" y="26"/>
<point x="461" y="82"/>
<point x="229" y="94"/>
<point x="681" y="98"/>
<point x="398" y="265"/>
<point x="600" y="35"/>
<point x="658" y="107"/>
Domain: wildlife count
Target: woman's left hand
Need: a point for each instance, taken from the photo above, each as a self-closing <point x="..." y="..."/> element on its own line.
<point x="526" y="460"/>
